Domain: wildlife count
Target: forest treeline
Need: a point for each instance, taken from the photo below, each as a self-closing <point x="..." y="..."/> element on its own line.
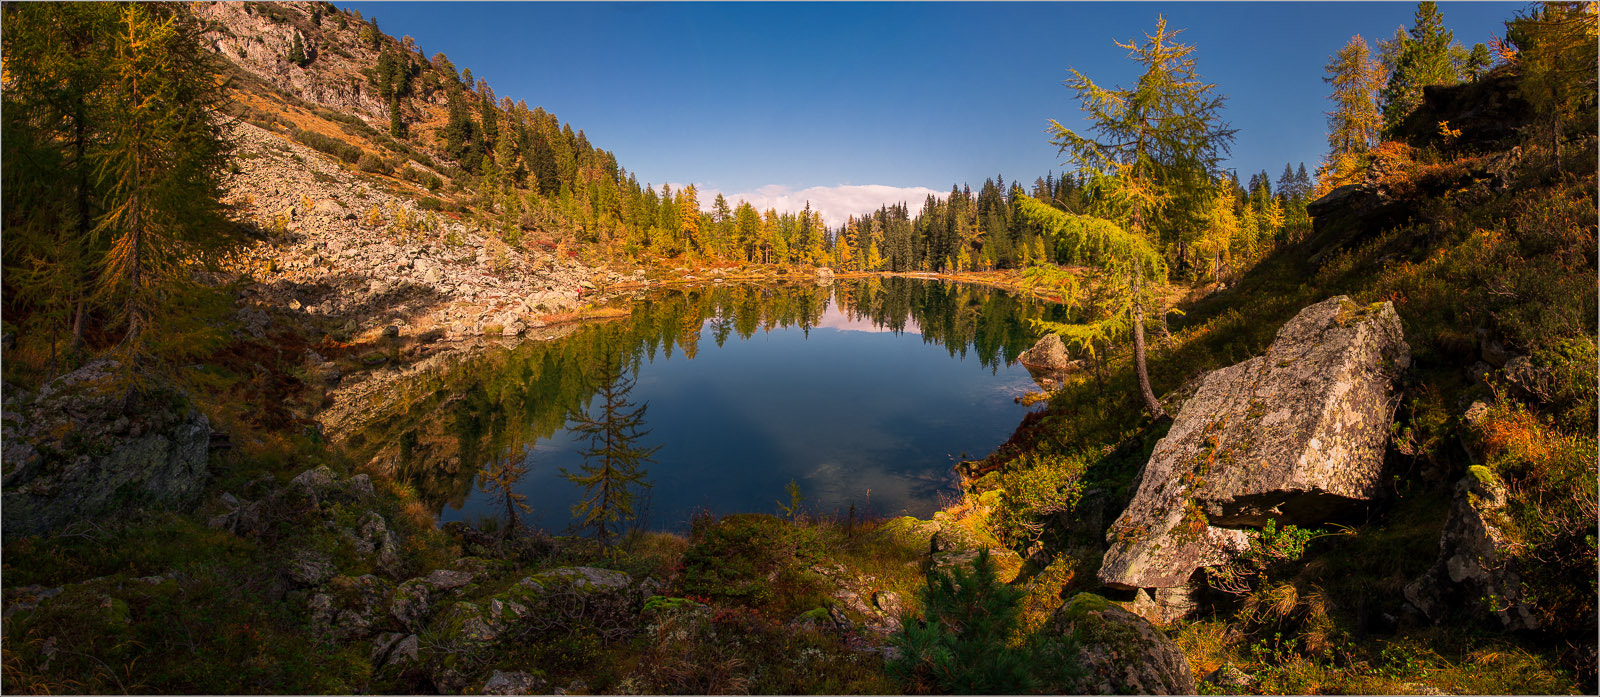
<point x="524" y="172"/>
<point x="106" y="204"/>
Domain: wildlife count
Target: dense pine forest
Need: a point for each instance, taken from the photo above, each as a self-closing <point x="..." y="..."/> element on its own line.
<point x="280" y="289"/>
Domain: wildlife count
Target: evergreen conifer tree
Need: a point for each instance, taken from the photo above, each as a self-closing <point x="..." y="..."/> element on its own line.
<point x="297" y="51"/>
<point x="963" y="644"/>
<point x="1424" y="58"/>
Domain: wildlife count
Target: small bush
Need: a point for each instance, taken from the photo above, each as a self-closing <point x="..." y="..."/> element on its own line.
<point x="372" y="164"/>
<point x="1552" y="510"/>
<point x="751" y="560"/>
<point x="330" y="145"/>
<point x="963" y="644"/>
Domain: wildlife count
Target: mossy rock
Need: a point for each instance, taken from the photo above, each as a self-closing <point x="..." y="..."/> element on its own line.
<point x="662" y="603"/>
<point x="1118" y="651"/>
<point x="584" y="579"/>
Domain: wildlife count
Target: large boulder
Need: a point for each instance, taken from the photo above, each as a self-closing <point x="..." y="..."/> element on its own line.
<point x="1048" y="354"/>
<point x="1119" y="652"/>
<point x="86" y="447"/>
<point x="1474" y="570"/>
<point x="1297" y="435"/>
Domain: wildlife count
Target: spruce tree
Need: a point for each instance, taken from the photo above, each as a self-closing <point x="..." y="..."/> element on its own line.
<point x="297" y="51"/>
<point x="1424" y="58"/>
<point x="613" y="471"/>
<point x="397" y="123"/>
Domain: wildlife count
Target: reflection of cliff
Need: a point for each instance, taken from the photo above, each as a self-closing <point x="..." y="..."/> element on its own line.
<point x="437" y="422"/>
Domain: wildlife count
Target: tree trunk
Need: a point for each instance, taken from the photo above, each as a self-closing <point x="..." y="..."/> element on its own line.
<point x="1150" y="401"/>
<point x="79" y="141"/>
<point x="511" y="519"/>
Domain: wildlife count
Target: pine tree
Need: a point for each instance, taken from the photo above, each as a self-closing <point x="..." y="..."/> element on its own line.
<point x="613" y="471"/>
<point x="1555" y="55"/>
<point x="1155" y="145"/>
<point x="963" y="642"/>
<point x="1478" y="62"/>
<point x="397" y="122"/>
<point x="297" y="51"/>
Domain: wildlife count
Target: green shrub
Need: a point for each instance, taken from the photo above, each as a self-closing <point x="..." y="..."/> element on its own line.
<point x="1035" y="488"/>
<point x="753" y="560"/>
<point x="330" y="145"/>
<point x="372" y="164"/>
<point x="1551" y="510"/>
<point x="963" y="643"/>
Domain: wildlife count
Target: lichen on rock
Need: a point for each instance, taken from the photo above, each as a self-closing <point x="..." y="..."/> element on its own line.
<point x="1296" y="435"/>
<point x="88" y="446"/>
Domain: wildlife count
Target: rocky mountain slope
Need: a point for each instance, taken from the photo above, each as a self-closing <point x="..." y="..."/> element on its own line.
<point x="343" y="247"/>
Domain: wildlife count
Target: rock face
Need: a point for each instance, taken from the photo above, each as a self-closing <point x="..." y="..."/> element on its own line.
<point x="1047" y="354"/>
<point x="1473" y="570"/>
<point x="79" y="450"/>
<point x="1487" y="111"/>
<point x="1296" y="435"/>
<point x="1120" y="652"/>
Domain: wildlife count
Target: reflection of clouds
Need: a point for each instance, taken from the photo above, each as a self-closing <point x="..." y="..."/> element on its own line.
<point x="831" y="487"/>
<point x="1016" y="387"/>
<point x="833" y="318"/>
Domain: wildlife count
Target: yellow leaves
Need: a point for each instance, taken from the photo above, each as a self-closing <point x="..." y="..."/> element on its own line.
<point x="1449" y="134"/>
<point x="1094" y="241"/>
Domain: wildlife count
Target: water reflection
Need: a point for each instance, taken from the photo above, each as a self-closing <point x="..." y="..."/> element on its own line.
<point x="749" y="386"/>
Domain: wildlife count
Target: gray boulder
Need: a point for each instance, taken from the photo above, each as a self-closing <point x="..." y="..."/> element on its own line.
<point x="1118" y="651"/>
<point x="348" y="608"/>
<point x="514" y="682"/>
<point x="1297" y="435"/>
<point x="1047" y="354"/>
<point x="84" y="448"/>
<point x="1474" y="570"/>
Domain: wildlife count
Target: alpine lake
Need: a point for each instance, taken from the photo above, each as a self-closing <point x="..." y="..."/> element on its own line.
<point x="863" y="392"/>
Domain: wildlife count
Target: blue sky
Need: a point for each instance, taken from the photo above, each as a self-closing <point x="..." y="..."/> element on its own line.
<point x="784" y="101"/>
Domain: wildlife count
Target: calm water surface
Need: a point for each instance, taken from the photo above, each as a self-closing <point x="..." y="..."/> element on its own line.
<point x="864" y="393"/>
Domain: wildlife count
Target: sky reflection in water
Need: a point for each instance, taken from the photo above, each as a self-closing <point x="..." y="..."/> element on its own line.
<point x="853" y="412"/>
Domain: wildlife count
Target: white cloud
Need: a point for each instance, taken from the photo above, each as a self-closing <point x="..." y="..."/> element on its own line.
<point x="835" y="203"/>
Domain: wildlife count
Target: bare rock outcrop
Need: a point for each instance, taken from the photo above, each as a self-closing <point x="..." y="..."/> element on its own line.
<point x="1474" y="569"/>
<point x="1296" y="435"/>
<point x="87" y="447"/>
